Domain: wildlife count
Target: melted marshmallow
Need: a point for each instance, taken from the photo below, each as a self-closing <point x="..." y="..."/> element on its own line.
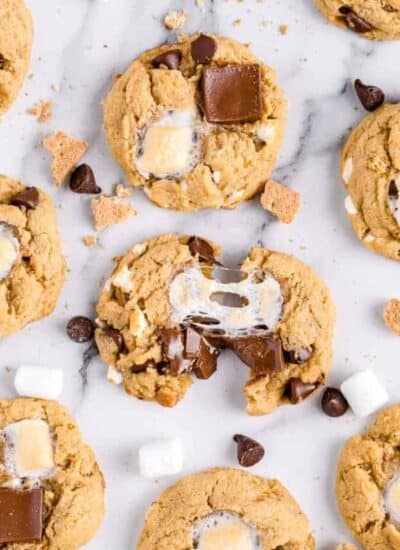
<point x="394" y="201"/>
<point x="347" y="170"/>
<point x="391" y="499"/>
<point x="225" y="530"/>
<point x="9" y="248"/>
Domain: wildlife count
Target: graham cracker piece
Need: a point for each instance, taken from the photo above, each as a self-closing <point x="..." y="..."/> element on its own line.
<point x="175" y="20"/>
<point x="281" y="201"/>
<point x="43" y="111"/>
<point x="110" y="210"/>
<point x="391" y="315"/>
<point x="66" y="152"/>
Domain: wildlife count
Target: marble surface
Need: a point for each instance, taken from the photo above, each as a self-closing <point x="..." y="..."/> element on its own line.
<point x="79" y="45"/>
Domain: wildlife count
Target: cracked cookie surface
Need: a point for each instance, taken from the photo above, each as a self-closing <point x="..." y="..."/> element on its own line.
<point x="255" y="503"/>
<point x="371" y="172"/>
<point x="74" y="494"/>
<point x="16" y="37"/>
<point x="29" y="289"/>
<point x="230" y="161"/>
<point x="367" y="467"/>
<point x="374" y="19"/>
<point x="135" y="309"/>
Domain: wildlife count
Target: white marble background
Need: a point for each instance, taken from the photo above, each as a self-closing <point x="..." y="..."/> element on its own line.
<point x="79" y="45"/>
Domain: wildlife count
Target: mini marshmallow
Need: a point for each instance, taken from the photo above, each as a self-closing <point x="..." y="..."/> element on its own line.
<point x="347" y="170"/>
<point x="42" y="382"/>
<point x="123" y="279"/>
<point x="266" y="133"/>
<point x="162" y="457"/>
<point x="364" y="392"/>
<point x="349" y="206"/>
<point x="391" y="499"/>
<point x="114" y="376"/>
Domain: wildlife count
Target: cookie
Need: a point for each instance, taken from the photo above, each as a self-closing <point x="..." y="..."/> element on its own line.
<point x="164" y="316"/>
<point x="371" y="172"/>
<point x="373" y="19"/>
<point x="368" y="483"/>
<point x="197" y="124"/>
<point x="223" y="508"/>
<point x="32" y="267"/>
<point x="51" y="487"/>
<point x="16" y="36"/>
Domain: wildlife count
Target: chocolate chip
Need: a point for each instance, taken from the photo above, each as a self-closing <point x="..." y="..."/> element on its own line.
<point x="170" y="59"/>
<point x="172" y="342"/>
<point x="371" y="97"/>
<point x="83" y="180"/>
<point x="249" y="451"/>
<point x="263" y="354"/>
<point x="203" y="49"/>
<point x="114" y="335"/>
<point x="393" y="190"/>
<point x="297" y="391"/>
<point x="80" y="329"/>
<point x="28" y="198"/>
<point x="232" y="94"/>
<point x="2" y="62"/>
<point x="298" y="356"/>
<point x="354" y="21"/>
<point x="201" y="248"/>
<point x="334" y="403"/>
<point x="21" y="516"/>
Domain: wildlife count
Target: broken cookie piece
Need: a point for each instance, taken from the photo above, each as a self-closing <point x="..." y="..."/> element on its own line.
<point x="109" y="211"/>
<point x="391" y="315"/>
<point x="281" y="201"/>
<point x="66" y="152"/>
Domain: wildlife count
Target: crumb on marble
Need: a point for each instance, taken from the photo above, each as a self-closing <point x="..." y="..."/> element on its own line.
<point x="281" y="201"/>
<point x="109" y="211"/>
<point x="175" y="20"/>
<point x="283" y="29"/>
<point x="199" y="3"/>
<point x="237" y="22"/>
<point x="391" y="315"/>
<point x="66" y="152"/>
<point x="121" y="191"/>
<point x="90" y="240"/>
<point x="42" y="110"/>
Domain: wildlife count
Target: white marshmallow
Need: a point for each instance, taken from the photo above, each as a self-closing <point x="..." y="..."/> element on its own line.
<point x="349" y="206"/>
<point x="348" y="170"/>
<point x="161" y="457"/>
<point x="114" y="376"/>
<point x="364" y="392"/>
<point x="391" y="499"/>
<point x="42" y="382"/>
<point x="266" y="133"/>
<point x="224" y="529"/>
<point x="123" y="280"/>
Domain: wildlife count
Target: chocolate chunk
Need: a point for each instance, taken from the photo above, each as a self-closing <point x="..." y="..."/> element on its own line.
<point x="297" y="391"/>
<point x="334" y="403"/>
<point x="206" y="355"/>
<point x="297" y="356"/>
<point x="3" y="62"/>
<point x="232" y="94"/>
<point x="172" y="341"/>
<point x="170" y="59"/>
<point x="80" y="329"/>
<point x="83" y="181"/>
<point x="29" y="198"/>
<point x="203" y="49"/>
<point x="263" y="354"/>
<point x="201" y="248"/>
<point x="21" y="515"/>
<point x="371" y="97"/>
<point x="393" y="190"/>
<point x="114" y="335"/>
<point x="354" y="21"/>
<point x="249" y="452"/>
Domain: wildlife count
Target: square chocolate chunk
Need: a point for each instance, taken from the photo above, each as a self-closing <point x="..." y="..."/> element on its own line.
<point x="232" y="94"/>
<point x="21" y="515"/>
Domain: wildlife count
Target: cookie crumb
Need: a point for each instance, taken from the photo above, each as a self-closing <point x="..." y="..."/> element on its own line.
<point x="66" y="152"/>
<point x="121" y="191"/>
<point x="109" y="211"/>
<point x="283" y="29"/>
<point x="42" y="110"/>
<point x="175" y="20"/>
<point x="237" y="22"/>
<point x="346" y="546"/>
<point x="90" y="240"/>
<point x="281" y="201"/>
<point x="391" y="315"/>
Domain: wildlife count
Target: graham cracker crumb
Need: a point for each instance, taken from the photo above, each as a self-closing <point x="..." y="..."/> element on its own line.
<point x="121" y="191"/>
<point x="66" y="152"/>
<point x="175" y="20"/>
<point x="237" y="22"/>
<point x="42" y="110"/>
<point x="281" y="201"/>
<point x="391" y="315"/>
<point x="283" y="29"/>
<point x="109" y="211"/>
<point x="90" y="240"/>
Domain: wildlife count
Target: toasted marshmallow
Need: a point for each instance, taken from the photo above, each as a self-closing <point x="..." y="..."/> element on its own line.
<point x="123" y="279"/>
<point x="169" y="147"/>
<point x="347" y="170"/>
<point x="193" y="296"/>
<point x="364" y="393"/>
<point x="29" y="449"/>
<point x="9" y="249"/>
<point x="138" y="323"/>
<point x="391" y="499"/>
<point x="162" y="457"/>
<point x="225" y="530"/>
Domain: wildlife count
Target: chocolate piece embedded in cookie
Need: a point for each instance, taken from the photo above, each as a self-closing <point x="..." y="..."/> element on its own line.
<point x="28" y="198"/>
<point x="354" y="21"/>
<point x="263" y="354"/>
<point x="21" y="515"/>
<point x="203" y="49"/>
<point x="170" y="59"/>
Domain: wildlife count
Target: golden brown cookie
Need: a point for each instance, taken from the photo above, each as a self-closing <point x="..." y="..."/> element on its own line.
<point x="371" y="172"/>
<point x="32" y="267"/>
<point x="223" y="508"/>
<point x="198" y="124"/>
<point x="368" y="483"/>
<point x="164" y="316"/>
<point x="374" y="19"/>
<point x="16" y="35"/>
<point x="47" y="474"/>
